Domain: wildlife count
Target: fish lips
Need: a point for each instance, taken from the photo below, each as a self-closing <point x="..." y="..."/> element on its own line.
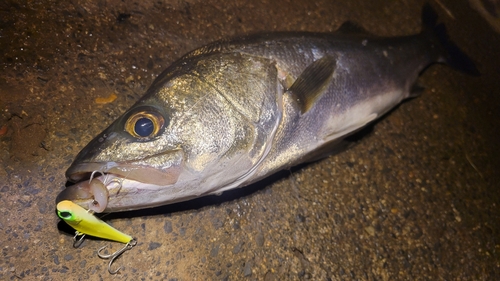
<point x="141" y="171"/>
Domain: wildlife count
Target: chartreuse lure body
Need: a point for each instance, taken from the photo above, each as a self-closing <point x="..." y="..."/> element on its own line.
<point x="86" y="223"/>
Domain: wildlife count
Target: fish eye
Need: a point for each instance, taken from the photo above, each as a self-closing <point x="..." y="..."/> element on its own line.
<point x="144" y="124"/>
<point x="65" y="215"/>
<point x="144" y="127"/>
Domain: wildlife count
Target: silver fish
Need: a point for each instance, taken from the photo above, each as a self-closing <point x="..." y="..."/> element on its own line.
<point x="233" y="112"/>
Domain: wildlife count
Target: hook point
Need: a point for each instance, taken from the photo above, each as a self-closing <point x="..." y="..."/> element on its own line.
<point x="116" y="254"/>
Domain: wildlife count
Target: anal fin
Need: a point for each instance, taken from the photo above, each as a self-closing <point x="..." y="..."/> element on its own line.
<point x="416" y="90"/>
<point x="351" y="128"/>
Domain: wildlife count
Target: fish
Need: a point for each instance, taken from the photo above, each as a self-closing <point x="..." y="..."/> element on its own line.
<point x="233" y="112"/>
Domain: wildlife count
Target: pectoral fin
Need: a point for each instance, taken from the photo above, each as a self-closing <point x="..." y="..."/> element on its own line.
<point x="313" y="82"/>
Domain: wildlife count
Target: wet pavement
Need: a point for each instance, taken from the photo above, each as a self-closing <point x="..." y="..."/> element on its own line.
<point x="415" y="199"/>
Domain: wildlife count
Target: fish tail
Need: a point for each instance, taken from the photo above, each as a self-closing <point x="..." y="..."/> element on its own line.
<point x="446" y="51"/>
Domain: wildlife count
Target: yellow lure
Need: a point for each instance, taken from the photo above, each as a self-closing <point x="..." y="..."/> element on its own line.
<point x="86" y="223"/>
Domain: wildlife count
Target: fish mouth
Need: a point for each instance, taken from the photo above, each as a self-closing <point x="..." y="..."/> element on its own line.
<point x="141" y="173"/>
<point x="99" y="185"/>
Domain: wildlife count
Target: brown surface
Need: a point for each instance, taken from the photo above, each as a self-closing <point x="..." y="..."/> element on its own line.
<point x="416" y="199"/>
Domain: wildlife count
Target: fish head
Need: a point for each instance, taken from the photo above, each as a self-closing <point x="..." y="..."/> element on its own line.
<point x="139" y="146"/>
<point x="182" y="140"/>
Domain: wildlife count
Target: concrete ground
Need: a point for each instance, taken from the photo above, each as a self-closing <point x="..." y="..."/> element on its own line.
<point x="416" y="199"/>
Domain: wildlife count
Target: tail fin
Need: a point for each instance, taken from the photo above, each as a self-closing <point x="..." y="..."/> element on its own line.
<point x="449" y="52"/>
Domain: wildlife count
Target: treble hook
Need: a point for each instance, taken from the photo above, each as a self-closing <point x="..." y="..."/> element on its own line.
<point x="93" y="173"/>
<point x="116" y="254"/>
<point x="105" y="180"/>
<point x="78" y="242"/>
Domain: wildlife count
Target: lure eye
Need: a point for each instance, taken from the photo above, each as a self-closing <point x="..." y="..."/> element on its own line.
<point x="65" y="215"/>
<point x="144" y="125"/>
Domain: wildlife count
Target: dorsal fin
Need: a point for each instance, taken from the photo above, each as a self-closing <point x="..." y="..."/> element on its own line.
<point x="217" y="46"/>
<point x="312" y="82"/>
<point x="349" y="27"/>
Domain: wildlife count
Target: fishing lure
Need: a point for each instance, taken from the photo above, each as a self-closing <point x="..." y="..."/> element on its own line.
<point x="85" y="222"/>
